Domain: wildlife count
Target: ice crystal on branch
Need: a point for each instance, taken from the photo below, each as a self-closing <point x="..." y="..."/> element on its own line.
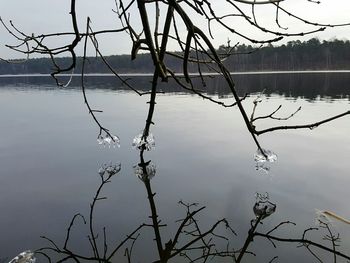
<point x="108" y="140"/>
<point x="109" y="169"/>
<point x="140" y="142"/>
<point x="263" y="207"/>
<point x="262" y="159"/>
<point x="262" y="156"/>
<point x="146" y="172"/>
<point x="24" y="257"/>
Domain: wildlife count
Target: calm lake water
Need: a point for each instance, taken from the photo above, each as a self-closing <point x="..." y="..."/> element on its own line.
<point x="49" y="160"/>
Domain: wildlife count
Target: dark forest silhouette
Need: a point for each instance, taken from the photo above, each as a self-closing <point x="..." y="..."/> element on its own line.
<point x="295" y="55"/>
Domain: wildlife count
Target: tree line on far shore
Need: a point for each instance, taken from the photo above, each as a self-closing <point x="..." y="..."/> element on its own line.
<point x="294" y="55"/>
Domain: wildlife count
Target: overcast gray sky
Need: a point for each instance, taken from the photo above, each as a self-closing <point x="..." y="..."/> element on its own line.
<point x="48" y="16"/>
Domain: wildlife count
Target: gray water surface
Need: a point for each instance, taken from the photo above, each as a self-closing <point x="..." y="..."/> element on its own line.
<point x="49" y="160"/>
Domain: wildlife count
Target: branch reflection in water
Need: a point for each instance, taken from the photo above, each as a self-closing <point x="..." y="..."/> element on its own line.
<point x="191" y="241"/>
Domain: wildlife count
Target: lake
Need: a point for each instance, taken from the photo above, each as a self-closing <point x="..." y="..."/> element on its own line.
<point x="50" y="160"/>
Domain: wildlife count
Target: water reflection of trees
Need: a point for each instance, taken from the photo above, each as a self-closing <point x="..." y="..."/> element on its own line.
<point x="331" y="86"/>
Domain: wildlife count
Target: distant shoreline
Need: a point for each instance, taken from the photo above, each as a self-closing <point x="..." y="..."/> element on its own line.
<point x="191" y="74"/>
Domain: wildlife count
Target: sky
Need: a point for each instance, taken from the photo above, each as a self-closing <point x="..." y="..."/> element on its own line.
<point x="50" y="16"/>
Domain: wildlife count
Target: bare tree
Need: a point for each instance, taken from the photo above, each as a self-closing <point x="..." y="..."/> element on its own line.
<point x="198" y="57"/>
<point x="197" y="53"/>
